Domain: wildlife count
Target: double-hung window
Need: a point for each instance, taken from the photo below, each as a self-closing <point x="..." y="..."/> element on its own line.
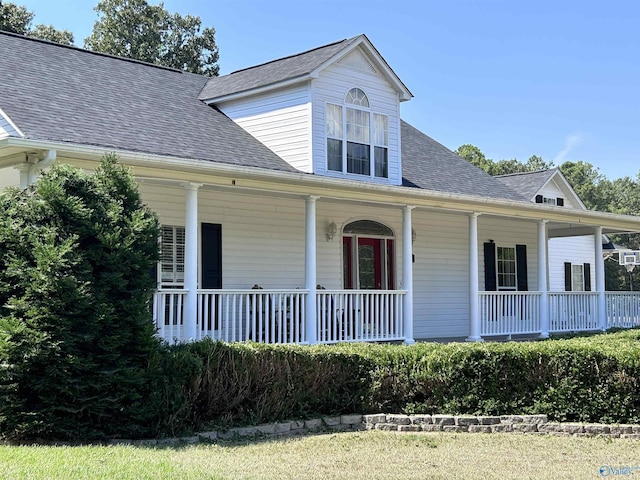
<point x="506" y="263"/>
<point x="355" y="136"/>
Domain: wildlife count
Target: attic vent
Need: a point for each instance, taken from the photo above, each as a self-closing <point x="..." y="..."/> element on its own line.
<point x="357" y="61"/>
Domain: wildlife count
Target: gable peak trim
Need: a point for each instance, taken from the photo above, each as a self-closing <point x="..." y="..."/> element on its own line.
<point x="10" y="123"/>
<point x="371" y="52"/>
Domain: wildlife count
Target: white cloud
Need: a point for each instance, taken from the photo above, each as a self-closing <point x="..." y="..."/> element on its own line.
<point x="569" y="143"/>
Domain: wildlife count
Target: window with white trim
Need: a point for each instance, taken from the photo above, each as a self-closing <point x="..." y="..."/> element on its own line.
<point x="355" y="135"/>
<point x="506" y="268"/>
<point x="172" y="255"/>
<point x="577" y="277"/>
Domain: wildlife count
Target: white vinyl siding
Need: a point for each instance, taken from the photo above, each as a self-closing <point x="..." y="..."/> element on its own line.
<point x="509" y="233"/>
<point x="281" y="120"/>
<point x="262" y="236"/>
<point x="9" y="176"/>
<point x="330" y="88"/>
<point x="440" y="275"/>
<point x="574" y="250"/>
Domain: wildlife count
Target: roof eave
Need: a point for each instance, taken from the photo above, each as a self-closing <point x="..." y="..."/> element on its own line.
<point x="256" y="91"/>
<point x="300" y="183"/>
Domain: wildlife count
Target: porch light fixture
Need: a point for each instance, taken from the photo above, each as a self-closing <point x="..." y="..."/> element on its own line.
<point x="332" y="229"/>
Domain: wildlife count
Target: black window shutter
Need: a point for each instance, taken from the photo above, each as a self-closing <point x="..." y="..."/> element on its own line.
<point x="153" y="273"/>
<point x="521" y="268"/>
<point x="211" y="237"/>
<point x="490" y="280"/>
<point x="538" y="198"/>
<point x="560" y="202"/>
<point x="567" y="276"/>
<point x="587" y="277"/>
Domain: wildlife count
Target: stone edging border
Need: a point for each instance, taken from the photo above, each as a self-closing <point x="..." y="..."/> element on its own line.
<point x="526" y="424"/>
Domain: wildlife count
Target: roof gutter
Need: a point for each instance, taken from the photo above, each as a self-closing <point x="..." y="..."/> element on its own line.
<point x="329" y="187"/>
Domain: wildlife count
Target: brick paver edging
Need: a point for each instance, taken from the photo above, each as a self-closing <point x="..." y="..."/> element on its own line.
<point x="527" y="424"/>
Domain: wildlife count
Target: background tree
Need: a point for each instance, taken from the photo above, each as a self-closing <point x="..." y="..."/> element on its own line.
<point x="474" y="155"/>
<point x="49" y="32"/>
<point x="14" y="18"/>
<point x="76" y="333"/>
<point x="591" y="186"/>
<point x="17" y="19"/>
<point x="135" y="29"/>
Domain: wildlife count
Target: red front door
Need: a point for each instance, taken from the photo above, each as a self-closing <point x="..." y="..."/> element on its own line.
<point x="370" y="263"/>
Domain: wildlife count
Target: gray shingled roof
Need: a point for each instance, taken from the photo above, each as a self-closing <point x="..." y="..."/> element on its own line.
<point x="65" y="94"/>
<point x="272" y="72"/>
<point x="430" y="165"/>
<point x="527" y="184"/>
<point x="70" y="95"/>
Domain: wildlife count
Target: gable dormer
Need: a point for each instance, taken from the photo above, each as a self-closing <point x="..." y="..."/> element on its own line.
<point x="557" y="191"/>
<point x="333" y="111"/>
<point x="547" y="187"/>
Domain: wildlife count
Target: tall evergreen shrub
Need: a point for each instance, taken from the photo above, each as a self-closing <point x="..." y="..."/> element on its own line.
<point x="76" y="333"/>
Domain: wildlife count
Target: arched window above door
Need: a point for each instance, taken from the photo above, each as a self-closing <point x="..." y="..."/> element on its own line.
<point x="367" y="227"/>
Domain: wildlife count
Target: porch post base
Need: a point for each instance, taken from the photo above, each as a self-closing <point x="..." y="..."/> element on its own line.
<point x="409" y="341"/>
<point x="543" y="335"/>
<point x="474" y="339"/>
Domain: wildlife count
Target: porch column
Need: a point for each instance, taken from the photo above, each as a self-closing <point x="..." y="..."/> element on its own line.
<point x="599" y="262"/>
<point x="474" y="272"/>
<point x="542" y="279"/>
<point x="24" y="169"/>
<point x="191" y="262"/>
<point x="310" y="279"/>
<point x="407" y="273"/>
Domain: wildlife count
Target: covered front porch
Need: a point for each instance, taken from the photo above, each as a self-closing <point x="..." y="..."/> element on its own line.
<point x="290" y="274"/>
<point x="295" y="270"/>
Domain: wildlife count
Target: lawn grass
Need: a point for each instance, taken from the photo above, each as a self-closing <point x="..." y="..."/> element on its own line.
<point x="354" y="455"/>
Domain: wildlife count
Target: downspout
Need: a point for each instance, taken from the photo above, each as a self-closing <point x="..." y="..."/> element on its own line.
<point x="36" y="168"/>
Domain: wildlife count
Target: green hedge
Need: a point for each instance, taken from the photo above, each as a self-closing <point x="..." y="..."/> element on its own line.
<point x="590" y="379"/>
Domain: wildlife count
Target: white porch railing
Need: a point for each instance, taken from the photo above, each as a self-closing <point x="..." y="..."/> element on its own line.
<point x="359" y="315"/>
<point x="168" y="313"/>
<point x="623" y="309"/>
<point x="269" y="316"/>
<point x="573" y="311"/>
<point x="506" y="313"/>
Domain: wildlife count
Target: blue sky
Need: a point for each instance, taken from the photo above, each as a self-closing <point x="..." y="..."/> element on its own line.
<point x="559" y="79"/>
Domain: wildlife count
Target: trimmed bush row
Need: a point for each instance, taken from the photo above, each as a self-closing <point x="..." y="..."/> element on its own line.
<point x="587" y="379"/>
